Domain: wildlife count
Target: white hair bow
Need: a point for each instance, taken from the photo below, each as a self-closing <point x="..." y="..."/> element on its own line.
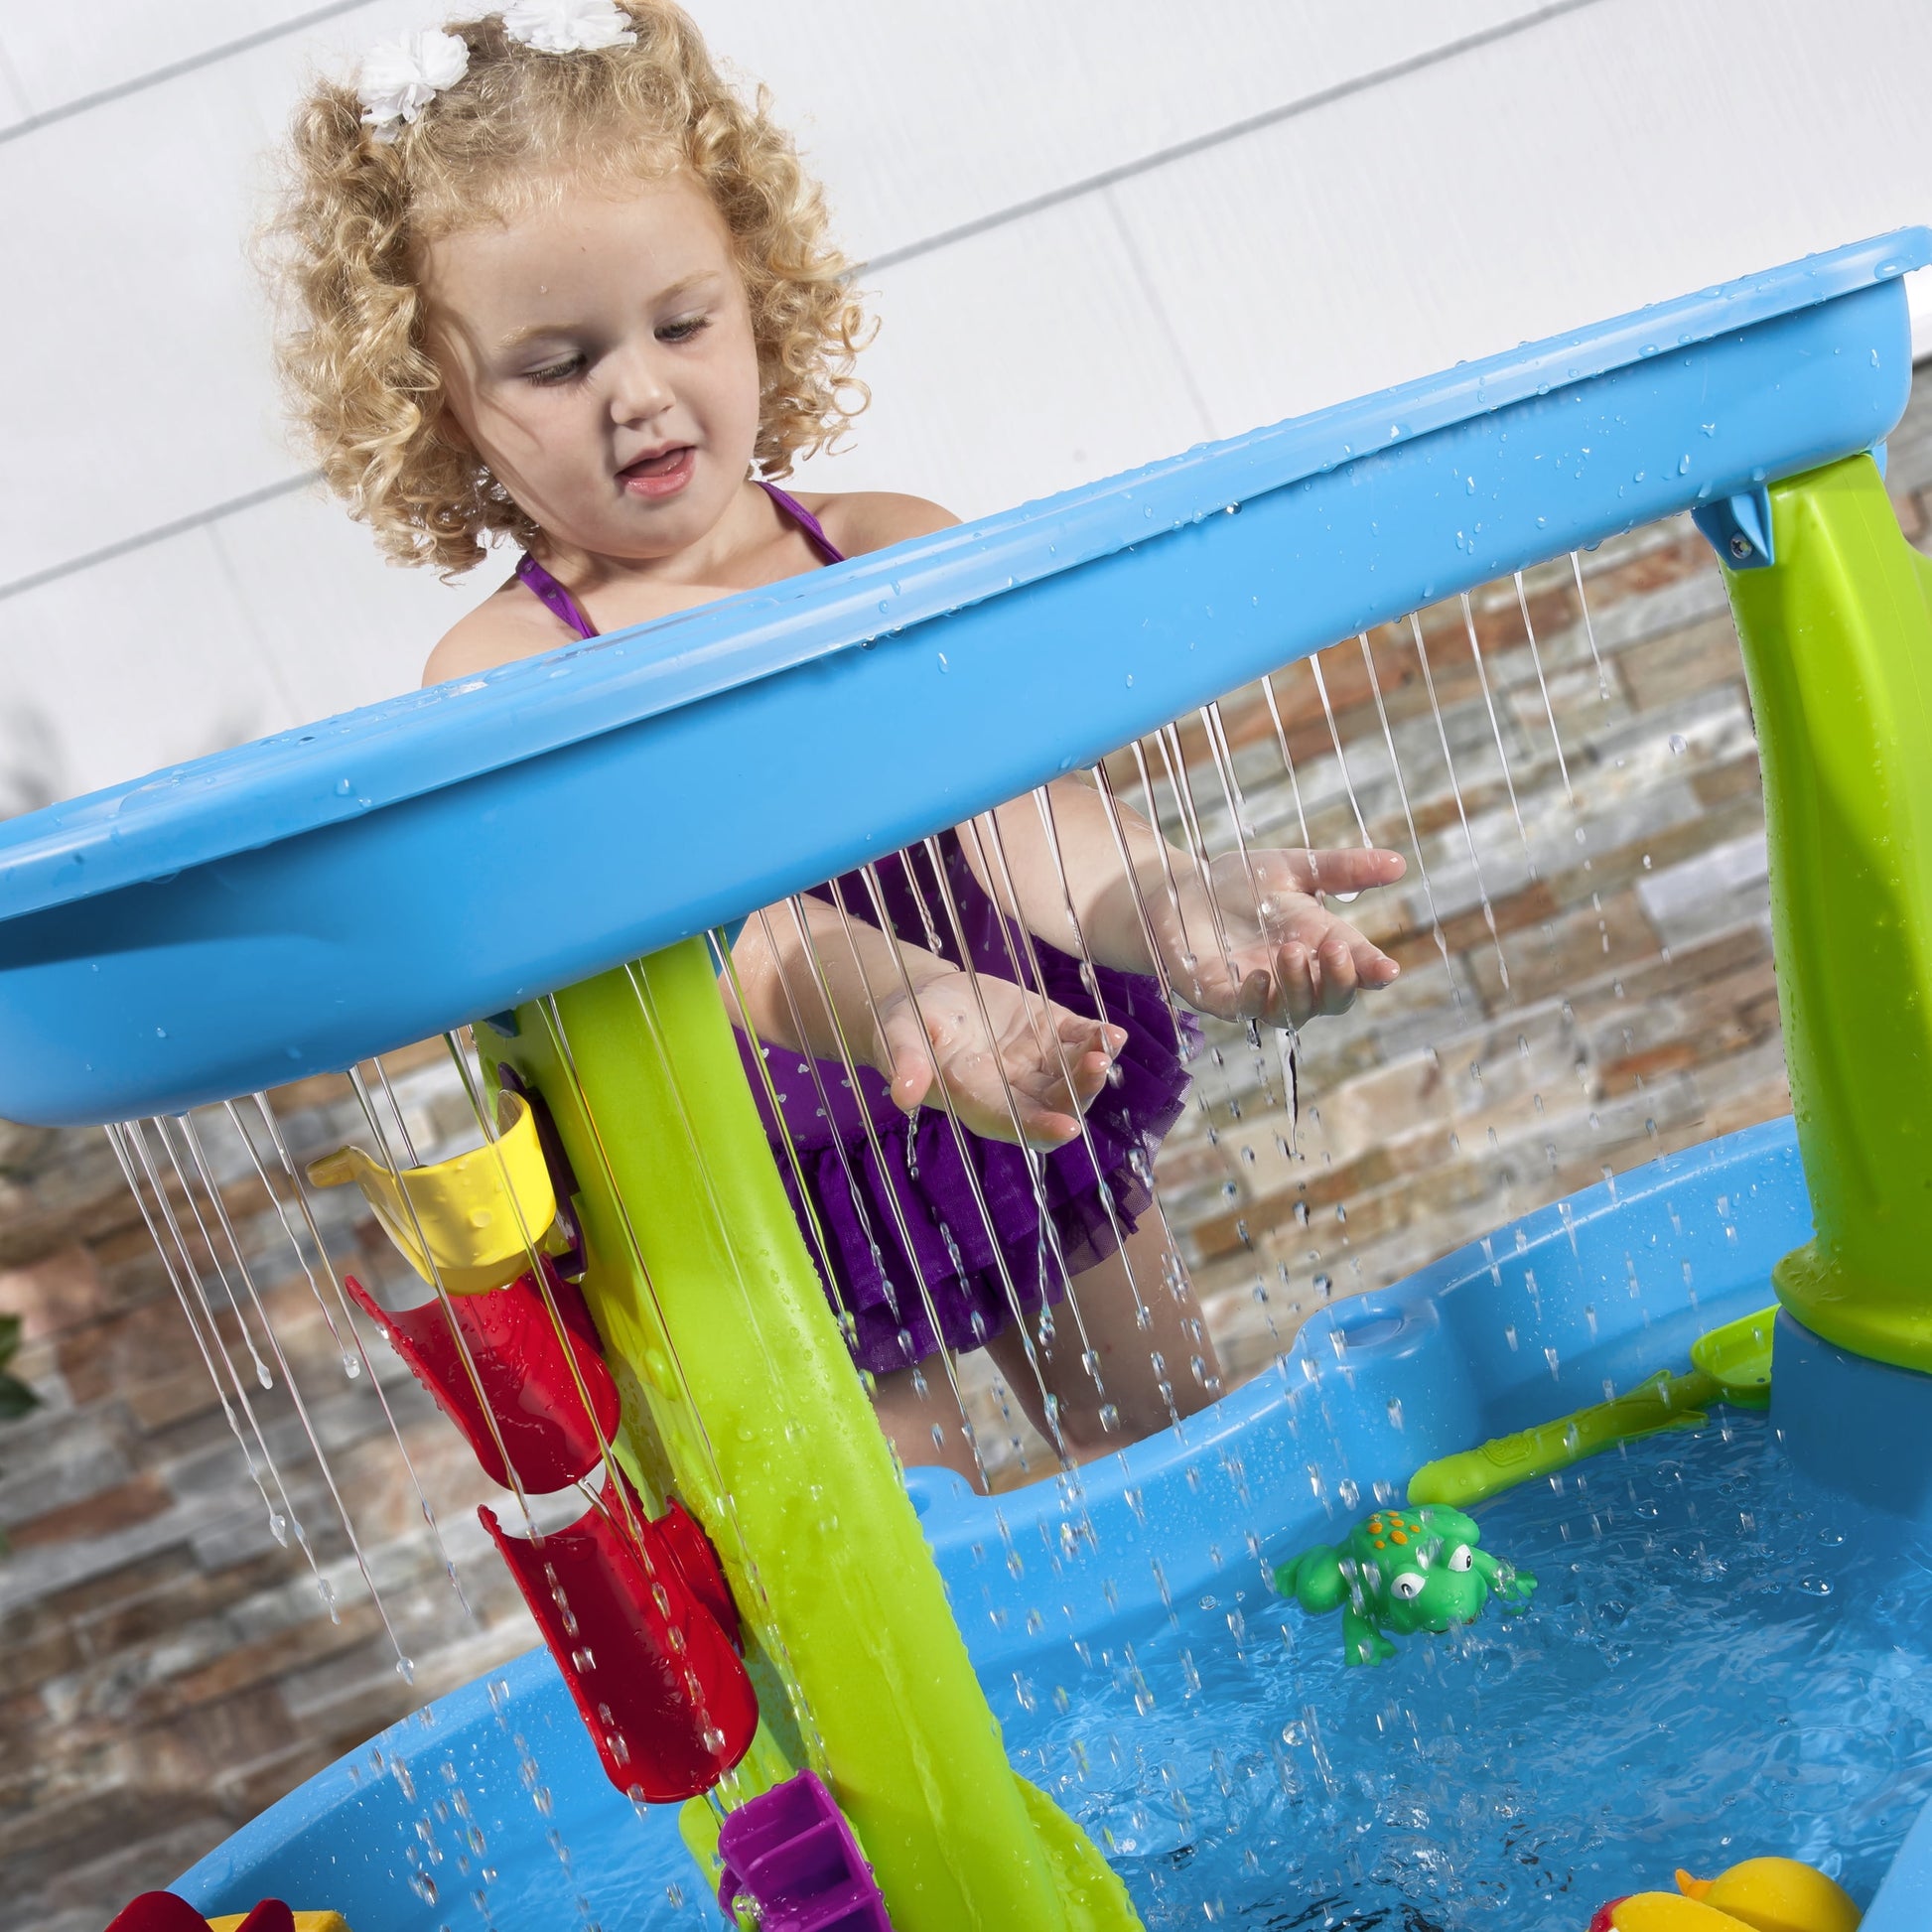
<point x="399" y="78"/>
<point x="568" y="25"/>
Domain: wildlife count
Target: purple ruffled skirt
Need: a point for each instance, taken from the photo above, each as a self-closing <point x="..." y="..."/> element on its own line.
<point x="895" y="1199"/>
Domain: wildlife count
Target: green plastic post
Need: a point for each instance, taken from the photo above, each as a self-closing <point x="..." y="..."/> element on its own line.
<point x="1837" y="649"/>
<point x="707" y="1298"/>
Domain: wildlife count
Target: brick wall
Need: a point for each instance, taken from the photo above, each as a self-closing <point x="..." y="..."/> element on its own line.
<point x="166" y="1667"/>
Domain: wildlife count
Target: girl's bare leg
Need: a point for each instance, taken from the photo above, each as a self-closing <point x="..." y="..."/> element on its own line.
<point x="923" y="1428"/>
<point x="1128" y="1354"/>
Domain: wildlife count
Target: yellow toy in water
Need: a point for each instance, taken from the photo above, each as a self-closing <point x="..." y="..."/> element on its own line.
<point x="1759" y="1896"/>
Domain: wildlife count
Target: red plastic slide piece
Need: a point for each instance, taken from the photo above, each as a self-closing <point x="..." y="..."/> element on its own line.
<point x="158" y="1912"/>
<point x="524" y="1365"/>
<point x="1601" y="1920"/>
<point x="163" y="1911"/>
<point x="271" y="1915"/>
<point x="697" y="1562"/>
<point x="653" y="1669"/>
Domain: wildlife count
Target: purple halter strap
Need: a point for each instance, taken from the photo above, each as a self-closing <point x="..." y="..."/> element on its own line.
<point x="562" y="605"/>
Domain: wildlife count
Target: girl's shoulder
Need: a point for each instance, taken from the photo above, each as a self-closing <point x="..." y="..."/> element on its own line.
<point x="507" y="625"/>
<point x="862" y="520"/>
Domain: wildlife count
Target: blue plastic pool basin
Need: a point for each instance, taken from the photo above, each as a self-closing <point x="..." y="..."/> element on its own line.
<point x="1616" y="1282"/>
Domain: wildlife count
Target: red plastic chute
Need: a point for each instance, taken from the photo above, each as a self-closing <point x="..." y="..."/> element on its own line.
<point x="524" y="1363"/>
<point x="639" y="1619"/>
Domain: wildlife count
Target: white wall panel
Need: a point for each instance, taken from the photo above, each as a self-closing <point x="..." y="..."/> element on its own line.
<point x="128" y="234"/>
<point x="1581" y="159"/>
<point x="137" y="387"/>
<point x="339" y="625"/>
<point x="1012" y="364"/>
<point x="63" y="53"/>
<point x="923" y="117"/>
<point x="14" y="106"/>
<point x="142" y="662"/>
<point x="1541" y="184"/>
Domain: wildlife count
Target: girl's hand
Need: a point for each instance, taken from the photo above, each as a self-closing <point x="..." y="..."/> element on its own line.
<point x="1286" y="957"/>
<point x="990" y="1077"/>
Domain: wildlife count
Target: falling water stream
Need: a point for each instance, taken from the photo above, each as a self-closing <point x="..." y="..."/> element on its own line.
<point x="1716" y="1663"/>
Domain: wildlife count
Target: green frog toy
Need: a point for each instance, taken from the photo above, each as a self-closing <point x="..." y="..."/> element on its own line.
<point x="1402" y="1570"/>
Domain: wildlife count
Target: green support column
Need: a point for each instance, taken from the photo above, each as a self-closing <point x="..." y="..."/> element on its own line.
<point x="755" y="1412"/>
<point x="1837" y="649"/>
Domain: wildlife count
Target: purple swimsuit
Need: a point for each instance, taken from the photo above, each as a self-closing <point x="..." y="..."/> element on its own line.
<point x="880" y="1181"/>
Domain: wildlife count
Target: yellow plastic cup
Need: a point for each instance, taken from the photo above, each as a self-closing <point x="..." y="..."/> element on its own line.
<point x="476" y="1232"/>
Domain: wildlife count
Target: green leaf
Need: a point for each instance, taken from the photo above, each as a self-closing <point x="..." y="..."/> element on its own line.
<point x="16" y="1398"/>
<point x="9" y="1339"/>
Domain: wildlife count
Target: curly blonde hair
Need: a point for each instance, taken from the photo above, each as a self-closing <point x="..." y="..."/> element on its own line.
<point x="346" y="247"/>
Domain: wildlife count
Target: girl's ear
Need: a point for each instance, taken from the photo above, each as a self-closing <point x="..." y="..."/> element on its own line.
<point x="1315" y="1580"/>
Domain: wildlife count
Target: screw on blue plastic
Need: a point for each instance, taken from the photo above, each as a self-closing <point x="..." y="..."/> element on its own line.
<point x="1738" y="528"/>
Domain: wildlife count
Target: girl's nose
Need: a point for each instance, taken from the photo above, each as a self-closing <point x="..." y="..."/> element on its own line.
<point x="638" y="391"/>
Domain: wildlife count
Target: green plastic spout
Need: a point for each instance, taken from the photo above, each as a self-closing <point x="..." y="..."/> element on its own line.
<point x="740" y="1395"/>
<point x="1837" y="649"/>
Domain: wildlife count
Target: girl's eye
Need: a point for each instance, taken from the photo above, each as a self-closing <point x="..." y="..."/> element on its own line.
<point x="1407" y="1585"/>
<point x="1460" y="1557"/>
<point x="554" y="372"/>
<point x="683" y="330"/>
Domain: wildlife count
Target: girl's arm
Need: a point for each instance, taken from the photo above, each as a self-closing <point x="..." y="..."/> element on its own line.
<point x="1243" y="940"/>
<point x="1014" y="1066"/>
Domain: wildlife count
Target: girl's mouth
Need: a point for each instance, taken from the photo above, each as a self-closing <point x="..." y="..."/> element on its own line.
<point x="662" y="474"/>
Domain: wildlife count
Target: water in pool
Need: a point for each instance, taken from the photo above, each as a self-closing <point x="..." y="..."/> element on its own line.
<point x="1720" y="1663"/>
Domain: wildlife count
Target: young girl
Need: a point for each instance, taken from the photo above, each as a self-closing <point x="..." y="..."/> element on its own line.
<point x="554" y="281"/>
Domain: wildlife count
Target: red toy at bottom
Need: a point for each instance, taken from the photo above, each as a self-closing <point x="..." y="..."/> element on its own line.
<point x="163" y="1911"/>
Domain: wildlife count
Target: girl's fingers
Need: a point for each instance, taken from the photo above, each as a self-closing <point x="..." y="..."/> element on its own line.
<point x="1011" y="1086"/>
<point x="1373" y="967"/>
<point x="1319" y="932"/>
<point x="1042" y="1123"/>
<point x="1076" y="1031"/>
<point x="1251" y="997"/>
<point x="1050" y="1130"/>
<point x="1345" y="869"/>
<point x="1337" y="964"/>
<point x="1090" y="1075"/>
<point x="1294" y="970"/>
<point x="912" y="1080"/>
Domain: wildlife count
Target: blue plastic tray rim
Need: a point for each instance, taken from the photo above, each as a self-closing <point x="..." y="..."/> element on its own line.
<point x="419" y="742"/>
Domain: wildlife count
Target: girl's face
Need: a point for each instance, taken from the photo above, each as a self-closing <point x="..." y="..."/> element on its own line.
<point x="599" y="356"/>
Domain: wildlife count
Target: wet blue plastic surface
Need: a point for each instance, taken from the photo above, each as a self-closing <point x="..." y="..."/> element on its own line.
<point x="341" y="890"/>
<point x="1886" y="1461"/>
<point x="1174" y="1518"/>
<point x="1719" y="1661"/>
